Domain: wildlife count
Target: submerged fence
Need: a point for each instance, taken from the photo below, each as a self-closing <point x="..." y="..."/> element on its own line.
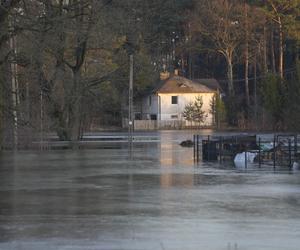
<point x="278" y="150"/>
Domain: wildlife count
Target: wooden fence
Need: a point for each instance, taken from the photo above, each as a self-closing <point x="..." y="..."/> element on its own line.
<point x="155" y="124"/>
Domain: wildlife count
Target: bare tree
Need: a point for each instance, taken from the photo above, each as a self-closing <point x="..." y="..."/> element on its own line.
<point x="283" y="14"/>
<point x="219" y="21"/>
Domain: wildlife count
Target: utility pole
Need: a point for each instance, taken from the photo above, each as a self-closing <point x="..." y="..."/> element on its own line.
<point x="41" y="120"/>
<point x="130" y="103"/>
<point x="190" y="53"/>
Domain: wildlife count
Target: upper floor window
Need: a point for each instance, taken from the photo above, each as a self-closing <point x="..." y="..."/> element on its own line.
<point x="150" y="100"/>
<point x="175" y="99"/>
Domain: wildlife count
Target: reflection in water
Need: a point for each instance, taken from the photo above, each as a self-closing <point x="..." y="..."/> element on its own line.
<point x="173" y="155"/>
<point x="179" y="180"/>
<point x="102" y="199"/>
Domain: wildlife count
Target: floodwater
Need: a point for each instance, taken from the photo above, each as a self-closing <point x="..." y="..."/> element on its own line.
<point x="155" y="198"/>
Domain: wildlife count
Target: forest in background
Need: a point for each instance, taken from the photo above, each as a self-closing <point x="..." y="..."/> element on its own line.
<point x="64" y="64"/>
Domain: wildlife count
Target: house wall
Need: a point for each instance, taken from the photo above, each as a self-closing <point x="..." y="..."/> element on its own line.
<point x="171" y="111"/>
<point x="148" y="108"/>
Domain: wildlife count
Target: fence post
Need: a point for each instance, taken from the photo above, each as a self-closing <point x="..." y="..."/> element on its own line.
<point x="290" y="153"/>
<point x="259" y="152"/>
<point x="194" y="144"/>
<point x="197" y="148"/>
<point x="208" y="148"/>
<point x="245" y="158"/>
<point x="220" y="148"/>
<point x="295" y="146"/>
<point x="274" y="152"/>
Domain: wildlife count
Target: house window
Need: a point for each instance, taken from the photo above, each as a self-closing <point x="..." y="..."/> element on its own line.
<point x="175" y="99"/>
<point x="150" y="100"/>
<point x="153" y="117"/>
<point x="174" y="116"/>
<point x="137" y="116"/>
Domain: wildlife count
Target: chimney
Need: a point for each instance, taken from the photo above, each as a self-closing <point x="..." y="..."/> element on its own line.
<point x="164" y="75"/>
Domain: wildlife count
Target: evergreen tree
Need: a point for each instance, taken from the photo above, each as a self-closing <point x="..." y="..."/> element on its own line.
<point x="274" y="100"/>
<point x="188" y="112"/>
<point x="193" y="111"/>
<point x="217" y="109"/>
<point x="292" y="116"/>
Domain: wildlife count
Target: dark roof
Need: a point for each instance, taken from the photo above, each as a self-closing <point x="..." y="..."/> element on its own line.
<point x="179" y="84"/>
<point x="210" y="83"/>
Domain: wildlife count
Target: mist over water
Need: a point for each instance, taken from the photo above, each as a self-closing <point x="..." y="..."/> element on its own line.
<point x="156" y="199"/>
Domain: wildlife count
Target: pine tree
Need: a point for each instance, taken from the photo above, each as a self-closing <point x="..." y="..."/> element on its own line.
<point x="217" y="109"/>
<point x="193" y="111"/>
<point x="188" y="112"/>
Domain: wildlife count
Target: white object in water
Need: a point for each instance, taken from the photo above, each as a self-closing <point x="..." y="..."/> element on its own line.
<point x="239" y="159"/>
<point x="295" y="166"/>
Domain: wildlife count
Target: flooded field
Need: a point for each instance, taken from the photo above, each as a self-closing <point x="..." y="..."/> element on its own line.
<point x="154" y="198"/>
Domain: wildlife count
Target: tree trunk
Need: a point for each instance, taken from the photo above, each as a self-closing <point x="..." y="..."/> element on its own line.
<point x="247" y="78"/>
<point x="255" y="91"/>
<point x="190" y="66"/>
<point x="41" y="117"/>
<point x="182" y="65"/>
<point x="272" y="51"/>
<point x="190" y="54"/>
<point x="280" y="66"/>
<point x="265" y="56"/>
<point x="14" y="85"/>
<point x="230" y="76"/>
<point x="246" y="59"/>
<point x="76" y="109"/>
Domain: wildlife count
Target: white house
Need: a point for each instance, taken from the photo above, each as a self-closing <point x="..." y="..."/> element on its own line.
<point x="168" y="100"/>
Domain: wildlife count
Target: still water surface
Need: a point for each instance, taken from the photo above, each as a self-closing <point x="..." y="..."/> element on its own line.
<point x="158" y="199"/>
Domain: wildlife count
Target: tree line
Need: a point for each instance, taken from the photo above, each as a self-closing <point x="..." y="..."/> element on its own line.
<point x="64" y="64"/>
